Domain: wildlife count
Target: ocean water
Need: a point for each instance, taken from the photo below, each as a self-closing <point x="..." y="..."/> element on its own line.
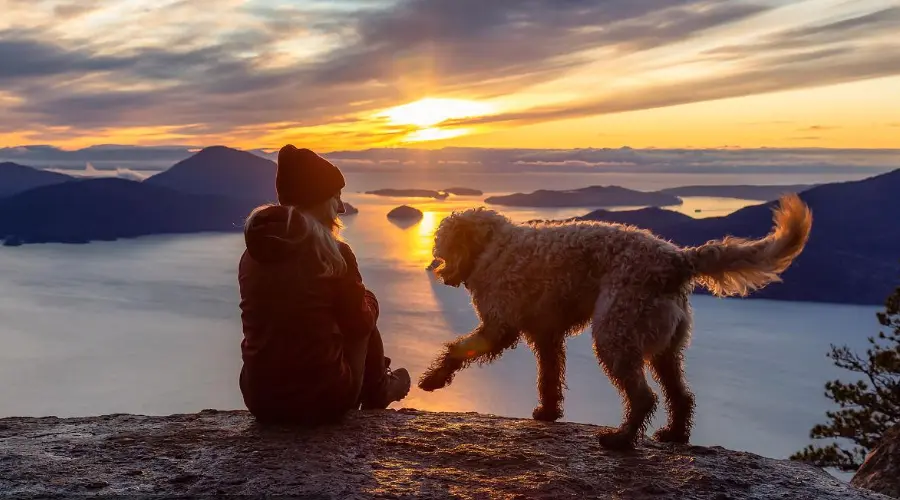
<point x="151" y="326"/>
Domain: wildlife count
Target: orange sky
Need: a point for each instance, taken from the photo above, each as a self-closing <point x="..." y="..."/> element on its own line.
<point x="350" y="74"/>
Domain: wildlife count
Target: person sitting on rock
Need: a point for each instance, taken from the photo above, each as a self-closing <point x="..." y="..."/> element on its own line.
<point x="311" y="348"/>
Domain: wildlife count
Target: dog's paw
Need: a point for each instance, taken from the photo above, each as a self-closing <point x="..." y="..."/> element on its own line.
<point x="432" y="381"/>
<point x="546" y="413"/>
<point x="616" y="440"/>
<point x="668" y="435"/>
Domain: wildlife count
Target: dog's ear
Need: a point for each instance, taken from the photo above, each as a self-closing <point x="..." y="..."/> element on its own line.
<point x="456" y="252"/>
<point x="470" y="241"/>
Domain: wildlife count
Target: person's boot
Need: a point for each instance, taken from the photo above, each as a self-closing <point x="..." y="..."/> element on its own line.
<point x="395" y="387"/>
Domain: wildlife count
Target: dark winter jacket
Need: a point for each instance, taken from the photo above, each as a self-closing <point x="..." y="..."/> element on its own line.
<point x="295" y="322"/>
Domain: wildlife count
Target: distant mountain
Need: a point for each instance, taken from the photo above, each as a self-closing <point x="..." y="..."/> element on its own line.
<point x="593" y="196"/>
<point x="853" y="254"/>
<point x="743" y="192"/>
<point x="15" y="178"/>
<point x="219" y="170"/>
<point x="105" y="209"/>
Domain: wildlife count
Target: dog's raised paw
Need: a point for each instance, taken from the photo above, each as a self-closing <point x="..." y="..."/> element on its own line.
<point x="546" y="413"/>
<point x="615" y="440"/>
<point x="667" y="435"/>
<point x="433" y="381"/>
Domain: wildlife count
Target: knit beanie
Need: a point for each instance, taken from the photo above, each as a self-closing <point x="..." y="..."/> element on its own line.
<point x="305" y="179"/>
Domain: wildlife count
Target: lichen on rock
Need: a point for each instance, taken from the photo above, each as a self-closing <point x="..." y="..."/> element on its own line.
<point x="397" y="454"/>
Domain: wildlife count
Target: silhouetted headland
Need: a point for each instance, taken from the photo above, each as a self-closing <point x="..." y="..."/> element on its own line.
<point x="852" y="253"/>
<point x="81" y="211"/>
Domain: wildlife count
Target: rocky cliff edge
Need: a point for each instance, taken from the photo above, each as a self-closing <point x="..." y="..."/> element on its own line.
<point x="388" y="454"/>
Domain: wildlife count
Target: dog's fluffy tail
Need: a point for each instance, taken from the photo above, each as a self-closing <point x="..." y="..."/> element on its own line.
<point x="736" y="266"/>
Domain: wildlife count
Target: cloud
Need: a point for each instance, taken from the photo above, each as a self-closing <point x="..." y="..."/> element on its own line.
<point x="247" y="68"/>
<point x="473" y="40"/>
<point x="856" y="28"/>
<point x="22" y="57"/>
<point x="758" y="78"/>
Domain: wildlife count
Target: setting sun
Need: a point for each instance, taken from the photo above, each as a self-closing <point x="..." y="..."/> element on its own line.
<point x="430" y="111"/>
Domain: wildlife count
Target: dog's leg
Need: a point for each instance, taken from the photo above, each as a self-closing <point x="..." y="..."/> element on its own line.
<point x="626" y="371"/>
<point x="615" y="330"/>
<point x="551" y="365"/>
<point x="484" y="344"/>
<point x="668" y="369"/>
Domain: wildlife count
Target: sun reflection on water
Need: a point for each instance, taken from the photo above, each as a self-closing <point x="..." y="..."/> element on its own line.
<point x="425" y="236"/>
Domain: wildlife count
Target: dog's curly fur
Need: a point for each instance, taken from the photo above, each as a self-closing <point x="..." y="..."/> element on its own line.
<point x="545" y="281"/>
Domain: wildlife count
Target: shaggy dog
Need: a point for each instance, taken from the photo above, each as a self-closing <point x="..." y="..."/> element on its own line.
<point x="545" y="281"/>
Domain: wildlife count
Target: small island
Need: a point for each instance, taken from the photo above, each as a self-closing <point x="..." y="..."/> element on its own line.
<point x="405" y="213"/>
<point x="593" y="196"/>
<point x="350" y="209"/>
<point x="426" y="193"/>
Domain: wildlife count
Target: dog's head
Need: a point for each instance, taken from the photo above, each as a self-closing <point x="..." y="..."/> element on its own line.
<point x="459" y="241"/>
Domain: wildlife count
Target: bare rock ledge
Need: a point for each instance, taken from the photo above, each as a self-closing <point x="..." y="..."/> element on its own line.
<point x="388" y="454"/>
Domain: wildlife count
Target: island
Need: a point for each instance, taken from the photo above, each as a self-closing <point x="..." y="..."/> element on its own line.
<point x="592" y="196"/>
<point x="406" y="213"/>
<point x="350" y="209"/>
<point x="426" y="193"/>
<point x="409" y="193"/>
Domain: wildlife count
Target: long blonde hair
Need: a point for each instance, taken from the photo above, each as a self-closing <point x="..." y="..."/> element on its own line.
<point x="322" y="225"/>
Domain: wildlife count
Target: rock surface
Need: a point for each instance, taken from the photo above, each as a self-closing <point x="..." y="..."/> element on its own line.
<point x="387" y="454"/>
<point x="881" y="470"/>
